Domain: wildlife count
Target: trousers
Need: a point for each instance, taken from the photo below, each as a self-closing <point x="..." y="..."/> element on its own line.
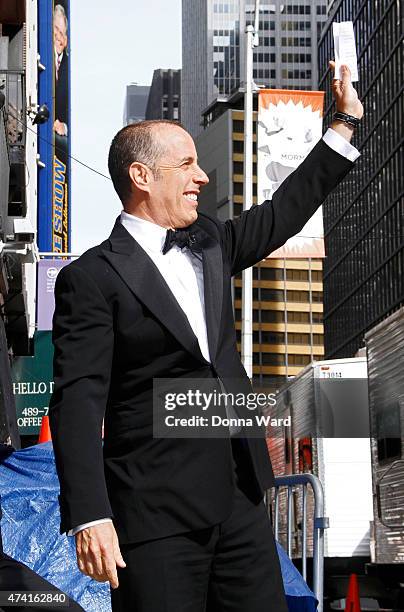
<point x="229" y="567"/>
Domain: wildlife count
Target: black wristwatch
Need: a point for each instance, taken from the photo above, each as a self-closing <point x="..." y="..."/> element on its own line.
<point x="349" y="119"/>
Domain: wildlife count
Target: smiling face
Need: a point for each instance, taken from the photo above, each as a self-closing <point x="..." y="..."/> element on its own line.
<point x="59" y="33"/>
<point x="172" y="194"/>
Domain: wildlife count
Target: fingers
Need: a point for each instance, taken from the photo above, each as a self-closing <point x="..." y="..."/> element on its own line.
<point x="110" y="572"/>
<point x="117" y="554"/>
<point x="345" y="74"/>
<point x="336" y="88"/>
<point x="98" y="553"/>
<point x="90" y="560"/>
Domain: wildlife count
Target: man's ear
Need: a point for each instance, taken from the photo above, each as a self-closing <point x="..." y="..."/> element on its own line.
<point x="140" y="176"/>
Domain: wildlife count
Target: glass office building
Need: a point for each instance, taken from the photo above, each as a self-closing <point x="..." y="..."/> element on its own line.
<point x="210" y="55"/>
<point x="213" y="53"/>
<point x="364" y="217"/>
<point x="135" y="103"/>
<point x="286" y="57"/>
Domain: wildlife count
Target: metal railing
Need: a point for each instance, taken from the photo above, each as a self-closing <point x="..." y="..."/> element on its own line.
<point x="12" y="85"/>
<point x="320" y="523"/>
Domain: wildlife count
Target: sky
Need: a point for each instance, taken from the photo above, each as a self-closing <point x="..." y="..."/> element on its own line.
<point x="112" y="44"/>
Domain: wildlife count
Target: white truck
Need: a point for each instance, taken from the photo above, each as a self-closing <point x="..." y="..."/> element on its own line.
<point x="328" y="405"/>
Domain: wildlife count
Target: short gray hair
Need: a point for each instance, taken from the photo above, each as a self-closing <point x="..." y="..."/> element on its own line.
<point x="61" y="11"/>
<point x="136" y="142"/>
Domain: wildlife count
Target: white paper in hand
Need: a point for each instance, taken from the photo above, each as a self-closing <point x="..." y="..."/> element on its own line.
<point x="344" y="49"/>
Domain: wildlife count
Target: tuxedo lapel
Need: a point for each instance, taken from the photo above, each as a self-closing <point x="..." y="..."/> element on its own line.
<point x="144" y="279"/>
<point x="213" y="285"/>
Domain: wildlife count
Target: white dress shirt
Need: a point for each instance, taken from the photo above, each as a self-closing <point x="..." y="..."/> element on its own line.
<point x="183" y="272"/>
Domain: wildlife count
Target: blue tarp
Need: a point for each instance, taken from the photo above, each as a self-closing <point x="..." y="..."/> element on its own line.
<point x="30" y="527"/>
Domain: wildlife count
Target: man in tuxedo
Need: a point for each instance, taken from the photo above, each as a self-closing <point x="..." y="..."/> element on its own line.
<point x="60" y="43"/>
<point x="180" y="522"/>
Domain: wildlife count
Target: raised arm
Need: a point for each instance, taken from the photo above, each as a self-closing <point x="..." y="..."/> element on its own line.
<point x="261" y="230"/>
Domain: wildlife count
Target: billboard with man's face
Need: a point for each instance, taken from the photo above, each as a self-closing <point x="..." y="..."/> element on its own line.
<point x="54" y="91"/>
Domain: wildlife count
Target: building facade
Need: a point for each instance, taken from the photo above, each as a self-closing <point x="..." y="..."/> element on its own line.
<point x="18" y="172"/>
<point x="135" y="103"/>
<point x="18" y="197"/>
<point x="287" y="293"/>
<point x="165" y="95"/>
<point x="213" y="52"/>
<point x="364" y="217"/>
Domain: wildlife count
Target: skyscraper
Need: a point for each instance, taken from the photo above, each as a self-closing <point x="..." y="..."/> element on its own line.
<point x="135" y="103"/>
<point x="213" y="49"/>
<point x="164" y="96"/>
<point x="210" y="55"/>
<point x="364" y="216"/>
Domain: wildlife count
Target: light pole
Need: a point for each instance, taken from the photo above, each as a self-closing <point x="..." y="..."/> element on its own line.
<point x="252" y="40"/>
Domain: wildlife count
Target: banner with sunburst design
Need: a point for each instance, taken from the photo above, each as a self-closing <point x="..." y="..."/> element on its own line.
<point x="289" y="125"/>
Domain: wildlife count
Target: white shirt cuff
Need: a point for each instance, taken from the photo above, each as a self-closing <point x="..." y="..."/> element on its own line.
<point x="75" y="530"/>
<point x="338" y="143"/>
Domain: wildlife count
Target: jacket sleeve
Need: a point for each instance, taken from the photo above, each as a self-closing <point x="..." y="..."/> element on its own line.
<point x="264" y="228"/>
<point x="83" y="348"/>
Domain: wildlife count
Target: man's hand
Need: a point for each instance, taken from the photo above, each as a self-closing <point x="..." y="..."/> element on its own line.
<point x="98" y="554"/>
<point x="347" y="101"/>
<point x="59" y="128"/>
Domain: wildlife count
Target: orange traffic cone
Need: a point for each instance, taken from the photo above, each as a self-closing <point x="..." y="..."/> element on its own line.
<point x="45" y="432"/>
<point x="353" y="602"/>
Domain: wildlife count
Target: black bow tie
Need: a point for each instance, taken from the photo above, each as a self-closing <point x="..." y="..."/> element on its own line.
<point x="182" y="238"/>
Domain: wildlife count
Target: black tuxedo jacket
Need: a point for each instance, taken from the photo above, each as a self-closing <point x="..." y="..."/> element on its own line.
<point x="117" y="326"/>
<point x="61" y="91"/>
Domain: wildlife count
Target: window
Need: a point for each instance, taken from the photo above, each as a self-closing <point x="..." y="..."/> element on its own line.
<point x="294" y="58"/>
<point x="269" y="337"/>
<point x="292" y="41"/>
<point x="271" y="316"/>
<point x="295" y="25"/>
<point x="268" y="295"/>
<point x="274" y="359"/>
<point x="238" y="189"/>
<point x="297" y="275"/>
<point x="298" y="317"/>
<point x="266" y="41"/>
<point x="297" y="9"/>
<point x="237" y="209"/>
<point x="299" y="360"/>
<point x="294" y="338"/>
<point x="238" y="167"/>
<point x="316" y="276"/>
<point x="297" y="296"/>
<point x="271" y="273"/>
<point x="296" y="74"/>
